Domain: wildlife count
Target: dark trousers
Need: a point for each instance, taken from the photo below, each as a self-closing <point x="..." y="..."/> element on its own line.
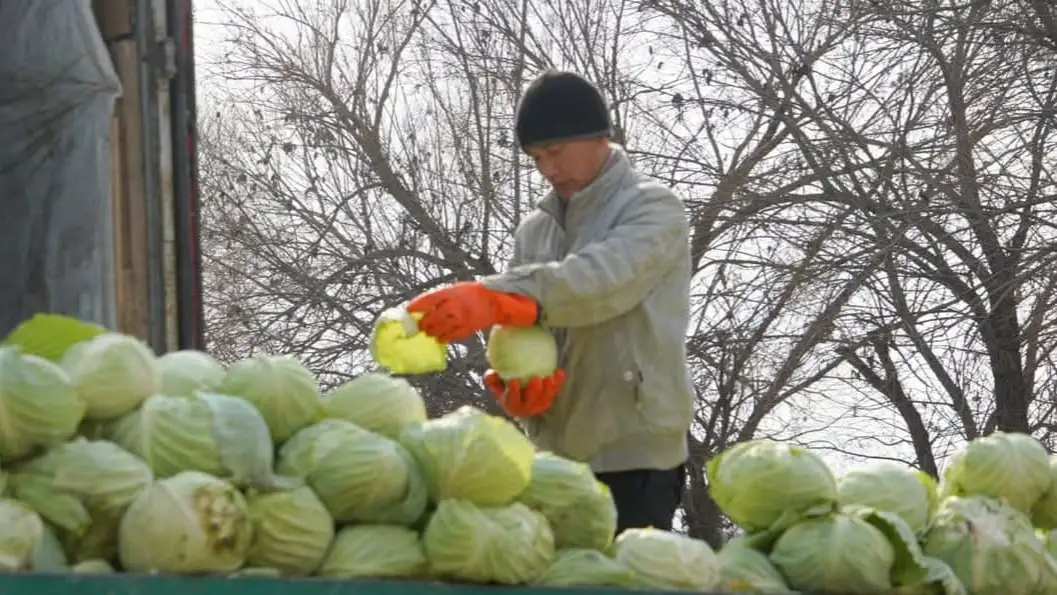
<point x="645" y="497"/>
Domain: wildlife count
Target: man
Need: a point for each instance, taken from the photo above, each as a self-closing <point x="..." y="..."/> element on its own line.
<point x="604" y="263"/>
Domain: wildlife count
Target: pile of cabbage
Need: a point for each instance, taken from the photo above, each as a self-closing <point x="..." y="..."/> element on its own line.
<point x="115" y="459"/>
<point x="986" y="528"/>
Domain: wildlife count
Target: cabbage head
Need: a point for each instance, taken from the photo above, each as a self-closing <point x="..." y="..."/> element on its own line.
<point x="891" y="487"/>
<point x="94" y="566"/>
<point x="256" y="571"/>
<point x="759" y="482"/>
<point x="940" y="580"/>
<point x="521" y="353"/>
<point x="49" y="555"/>
<point x="186" y="371"/>
<point x="360" y="476"/>
<point x="579" y="508"/>
<point x="216" y="434"/>
<point x="50" y="336"/>
<point x="113" y="374"/>
<point x="280" y="387"/>
<point x="1049" y="540"/>
<point x="82" y="488"/>
<point x="375" y="551"/>
<point x="665" y="560"/>
<point x="470" y="455"/>
<point x="21" y="531"/>
<point x="990" y="546"/>
<point x="378" y="402"/>
<point x="39" y="405"/>
<point x="856" y="551"/>
<point x="1044" y="511"/>
<point x="188" y="523"/>
<point x="396" y="349"/>
<point x="584" y="567"/>
<point x="1009" y="466"/>
<point x="509" y="545"/>
<point x="291" y="531"/>
<point x="743" y="569"/>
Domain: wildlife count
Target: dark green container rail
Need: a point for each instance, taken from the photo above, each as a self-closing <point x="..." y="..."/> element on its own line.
<point x="134" y="584"/>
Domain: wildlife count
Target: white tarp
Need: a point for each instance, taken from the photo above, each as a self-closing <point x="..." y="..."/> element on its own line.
<point x="57" y="92"/>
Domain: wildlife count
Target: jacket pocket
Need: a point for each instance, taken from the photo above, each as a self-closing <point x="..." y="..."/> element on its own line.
<point x="606" y="407"/>
<point x="665" y="399"/>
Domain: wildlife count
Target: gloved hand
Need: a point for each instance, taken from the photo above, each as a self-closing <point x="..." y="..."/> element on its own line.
<point x="454" y="313"/>
<point x="525" y="401"/>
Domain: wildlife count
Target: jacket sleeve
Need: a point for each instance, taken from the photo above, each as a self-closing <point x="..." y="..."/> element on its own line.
<point x="610" y="276"/>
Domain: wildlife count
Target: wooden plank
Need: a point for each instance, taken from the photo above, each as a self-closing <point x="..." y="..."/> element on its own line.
<point x="131" y="193"/>
<point x="166" y="186"/>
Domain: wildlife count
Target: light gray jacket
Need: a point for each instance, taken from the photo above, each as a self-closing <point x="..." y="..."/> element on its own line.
<point x="611" y="270"/>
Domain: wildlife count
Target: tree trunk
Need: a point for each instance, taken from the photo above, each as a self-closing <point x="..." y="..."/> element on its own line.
<point x="703" y="518"/>
<point x="1003" y="336"/>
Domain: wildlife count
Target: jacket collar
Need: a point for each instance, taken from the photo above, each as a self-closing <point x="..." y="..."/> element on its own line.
<point x="617" y="166"/>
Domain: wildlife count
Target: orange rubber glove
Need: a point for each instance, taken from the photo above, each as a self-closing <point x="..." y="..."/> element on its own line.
<point x="454" y="313"/>
<point x="525" y="401"/>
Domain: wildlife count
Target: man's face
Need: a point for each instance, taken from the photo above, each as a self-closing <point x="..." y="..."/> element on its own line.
<point x="570" y="165"/>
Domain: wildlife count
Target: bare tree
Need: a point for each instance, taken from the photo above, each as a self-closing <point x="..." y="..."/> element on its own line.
<point x="345" y="176"/>
<point x="869" y="186"/>
<point x="932" y="131"/>
<point x="321" y="213"/>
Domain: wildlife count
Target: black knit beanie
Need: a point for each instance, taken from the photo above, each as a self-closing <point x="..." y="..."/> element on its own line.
<point x="561" y="106"/>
